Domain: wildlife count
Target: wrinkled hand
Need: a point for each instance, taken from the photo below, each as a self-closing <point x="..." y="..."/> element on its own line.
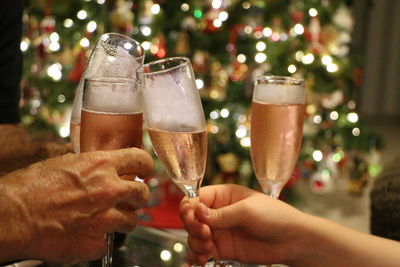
<point x="60" y="209"/>
<point x="234" y="222"/>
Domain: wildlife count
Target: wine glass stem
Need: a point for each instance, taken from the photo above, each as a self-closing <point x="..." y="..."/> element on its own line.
<point x="107" y="258"/>
<point x="272" y="189"/>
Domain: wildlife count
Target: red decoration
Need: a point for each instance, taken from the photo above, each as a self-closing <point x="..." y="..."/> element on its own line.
<point x="358" y="76"/>
<point x="77" y="71"/>
<point x="297" y="16"/>
<point x="294" y="178"/>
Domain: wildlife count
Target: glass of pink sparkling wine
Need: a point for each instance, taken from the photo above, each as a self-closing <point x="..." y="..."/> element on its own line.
<point x="277" y="116"/>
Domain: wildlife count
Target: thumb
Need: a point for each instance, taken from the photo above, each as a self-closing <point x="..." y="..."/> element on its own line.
<point x="224" y="217"/>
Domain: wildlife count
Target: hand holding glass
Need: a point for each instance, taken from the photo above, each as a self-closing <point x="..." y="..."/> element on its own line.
<point x="112" y="118"/>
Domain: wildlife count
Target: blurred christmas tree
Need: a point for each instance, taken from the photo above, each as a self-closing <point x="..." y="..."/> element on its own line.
<point x="230" y="42"/>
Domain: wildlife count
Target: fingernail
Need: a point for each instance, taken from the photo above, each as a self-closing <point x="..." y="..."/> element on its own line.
<point x="205" y="209"/>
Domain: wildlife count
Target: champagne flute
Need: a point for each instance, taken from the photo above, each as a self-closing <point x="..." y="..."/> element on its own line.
<point x="114" y="55"/>
<point x="112" y="118"/>
<point x="277" y="116"/>
<point x="175" y="121"/>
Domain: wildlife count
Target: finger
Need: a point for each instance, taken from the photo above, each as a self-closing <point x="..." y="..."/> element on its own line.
<point x="134" y="196"/>
<point x="131" y="161"/>
<point x="199" y="230"/>
<point x="117" y="220"/>
<point x="225" y="217"/>
<point x="186" y="212"/>
<point x="216" y="196"/>
<point x="201" y="246"/>
<point x="197" y="259"/>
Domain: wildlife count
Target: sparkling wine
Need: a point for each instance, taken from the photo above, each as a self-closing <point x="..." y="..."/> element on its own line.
<point x="107" y="131"/>
<point x="75" y="132"/>
<point x="276" y="133"/>
<point x="183" y="154"/>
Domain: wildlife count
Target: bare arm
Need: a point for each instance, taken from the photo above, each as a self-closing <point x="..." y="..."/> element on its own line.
<point x="233" y="222"/>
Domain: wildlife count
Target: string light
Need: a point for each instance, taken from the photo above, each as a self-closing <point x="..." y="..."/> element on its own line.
<point x="312" y="12"/>
<point x="317" y="155"/>
<point x="299" y="55"/>
<point x="61" y="98"/>
<point x="275" y="37"/>
<point x="64" y="131"/>
<point x="241" y="131"/>
<point x="245" y="142"/>
<point x="54" y="46"/>
<point x="283" y="36"/>
<point x="91" y="26"/>
<point x="356" y="131"/>
<point x="165" y="255"/>
<point x="292" y="68"/>
<point x="214" y="129"/>
<point x="199" y="84"/>
<point x="185" y="7"/>
<point x="54" y="37"/>
<point x="100" y="2"/>
<point x="178" y="247"/>
<point x="216" y="4"/>
<point x="24" y="44"/>
<point x="337" y="157"/>
<point x="326" y="60"/>
<point x="308" y="59"/>
<point x="267" y="32"/>
<point x="351" y="104"/>
<point x="155" y="9"/>
<point x="84" y="42"/>
<point x="82" y="14"/>
<point x="352" y="117"/>
<point x="54" y="71"/>
<point x="68" y="23"/>
<point x="334" y="115"/>
<point x="248" y="29"/>
<point x="332" y="67"/>
<point x="217" y="23"/>
<point x="260" y="57"/>
<point x="214" y="114"/>
<point x="260" y="46"/>
<point x="224" y="113"/>
<point x="246" y="5"/>
<point x="146" y="45"/>
<point x="197" y="13"/>
<point x="146" y="30"/>
<point x="223" y="16"/>
<point x="299" y="29"/>
<point x="317" y="119"/>
<point x="241" y="58"/>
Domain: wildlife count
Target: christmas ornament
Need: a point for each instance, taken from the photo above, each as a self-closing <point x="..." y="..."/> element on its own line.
<point x="182" y="46"/>
<point x="228" y="164"/>
<point x="122" y="17"/>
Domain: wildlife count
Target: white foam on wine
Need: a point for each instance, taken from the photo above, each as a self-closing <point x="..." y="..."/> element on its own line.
<point x="172" y="102"/>
<point x="117" y="99"/>
<point x="279" y="94"/>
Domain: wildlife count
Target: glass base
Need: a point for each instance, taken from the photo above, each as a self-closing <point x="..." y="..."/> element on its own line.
<point x="223" y="263"/>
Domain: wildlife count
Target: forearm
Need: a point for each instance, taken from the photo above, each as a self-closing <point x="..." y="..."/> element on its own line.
<point x="330" y="244"/>
<point x="16" y="230"/>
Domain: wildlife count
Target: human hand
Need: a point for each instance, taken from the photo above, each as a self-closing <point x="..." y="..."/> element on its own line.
<point x="58" y="210"/>
<point x="234" y="222"/>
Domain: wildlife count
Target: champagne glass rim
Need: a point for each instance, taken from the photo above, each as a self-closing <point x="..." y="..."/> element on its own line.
<point x="110" y="79"/>
<point x="181" y="61"/>
<point x="123" y="36"/>
<point x="282" y="80"/>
